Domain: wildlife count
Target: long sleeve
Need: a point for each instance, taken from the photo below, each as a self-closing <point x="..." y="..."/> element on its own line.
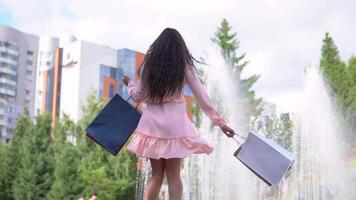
<point x="135" y="91"/>
<point x="203" y="99"/>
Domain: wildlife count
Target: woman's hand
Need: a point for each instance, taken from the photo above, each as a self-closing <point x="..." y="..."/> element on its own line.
<point x="126" y="80"/>
<point x="229" y="132"/>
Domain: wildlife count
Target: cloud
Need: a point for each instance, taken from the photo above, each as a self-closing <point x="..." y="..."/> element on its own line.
<point x="280" y="37"/>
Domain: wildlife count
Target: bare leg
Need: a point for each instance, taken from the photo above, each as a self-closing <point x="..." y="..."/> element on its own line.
<point x="175" y="185"/>
<point x="156" y="180"/>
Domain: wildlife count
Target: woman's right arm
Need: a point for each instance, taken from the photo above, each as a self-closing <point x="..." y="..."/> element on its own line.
<point x="204" y="101"/>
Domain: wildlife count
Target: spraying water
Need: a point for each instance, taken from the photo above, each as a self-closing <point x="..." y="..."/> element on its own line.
<point x="320" y="170"/>
<point x="219" y="175"/>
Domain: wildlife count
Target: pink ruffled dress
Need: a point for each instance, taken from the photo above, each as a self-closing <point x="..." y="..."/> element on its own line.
<point x="165" y="130"/>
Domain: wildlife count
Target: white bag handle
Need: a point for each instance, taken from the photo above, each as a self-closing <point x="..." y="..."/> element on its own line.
<point x="243" y="139"/>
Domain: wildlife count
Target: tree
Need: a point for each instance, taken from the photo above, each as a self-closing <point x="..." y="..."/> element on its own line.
<point x="278" y="128"/>
<point x="334" y="69"/>
<point x="34" y="176"/>
<point x="35" y="166"/>
<point x="111" y="177"/>
<point x="350" y="100"/>
<point x="11" y="156"/>
<point x="229" y="45"/>
<point x="341" y="81"/>
<point x="5" y="182"/>
<point x="67" y="184"/>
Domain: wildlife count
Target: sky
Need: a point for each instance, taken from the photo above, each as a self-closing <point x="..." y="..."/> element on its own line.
<point x="280" y="37"/>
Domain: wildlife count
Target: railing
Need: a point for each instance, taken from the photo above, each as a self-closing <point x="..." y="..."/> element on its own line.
<point x="7" y="81"/>
<point x="8" y="71"/>
<point x="3" y="111"/>
<point x="9" y="51"/>
<point x="9" y="61"/>
<point x="7" y="92"/>
<point x="3" y="121"/>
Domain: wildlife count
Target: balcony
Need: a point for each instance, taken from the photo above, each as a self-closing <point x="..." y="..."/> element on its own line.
<point x="8" y="71"/>
<point x="8" y="61"/>
<point x="7" y="92"/>
<point x="9" y="51"/>
<point x="3" y="121"/>
<point x="7" y="81"/>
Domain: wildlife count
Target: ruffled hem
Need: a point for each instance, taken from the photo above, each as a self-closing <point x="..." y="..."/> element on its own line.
<point x="147" y="146"/>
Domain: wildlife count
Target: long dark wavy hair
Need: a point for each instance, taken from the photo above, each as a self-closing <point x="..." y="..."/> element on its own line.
<point x="164" y="65"/>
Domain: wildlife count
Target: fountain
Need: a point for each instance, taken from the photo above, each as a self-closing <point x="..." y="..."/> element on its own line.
<point x="321" y="169"/>
<point x="321" y="160"/>
<point x="220" y="175"/>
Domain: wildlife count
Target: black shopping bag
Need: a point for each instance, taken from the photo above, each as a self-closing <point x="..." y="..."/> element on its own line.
<point x="113" y="126"/>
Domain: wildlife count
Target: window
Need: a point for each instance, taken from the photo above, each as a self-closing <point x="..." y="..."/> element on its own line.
<point x="27" y="92"/>
<point x="48" y="63"/>
<point x="29" y="62"/>
<point x="11" y="109"/>
<point x="111" y="90"/>
<point x="28" y="72"/>
<point x="29" y="53"/>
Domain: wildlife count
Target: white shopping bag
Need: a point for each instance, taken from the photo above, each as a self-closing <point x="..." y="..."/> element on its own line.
<point x="265" y="158"/>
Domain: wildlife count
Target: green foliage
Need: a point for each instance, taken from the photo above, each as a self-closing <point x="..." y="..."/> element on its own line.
<point x="229" y="45"/>
<point x="66" y="183"/>
<point x="111" y="177"/>
<point x="196" y="113"/>
<point x="34" y="177"/>
<point x="35" y="166"/>
<point x="341" y="80"/>
<point x="10" y="162"/>
<point x="5" y="172"/>
<point x="278" y="128"/>
<point x="90" y="109"/>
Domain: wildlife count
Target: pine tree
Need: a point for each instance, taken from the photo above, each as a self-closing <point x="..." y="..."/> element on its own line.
<point x="5" y="180"/>
<point x="341" y="80"/>
<point x="66" y="183"/>
<point x="351" y="97"/>
<point x="11" y="160"/>
<point x="333" y="68"/>
<point x="34" y="176"/>
<point x="229" y="45"/>
<point x="111" y="177"/>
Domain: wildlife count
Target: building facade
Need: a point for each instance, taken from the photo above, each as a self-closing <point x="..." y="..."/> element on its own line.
<point x="45" y="74"/>
<point x="90" y="67"/>
<point x="18" y="58"/>
<point x="55" y="75"/>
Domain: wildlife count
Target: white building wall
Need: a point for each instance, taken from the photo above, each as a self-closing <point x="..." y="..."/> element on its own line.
<point x="69" y="95"/>
<point x="78" y="79"/>
<point x="24" y="66"/>
<point x="92" y="57"/>
<point x="47" y="47"/>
